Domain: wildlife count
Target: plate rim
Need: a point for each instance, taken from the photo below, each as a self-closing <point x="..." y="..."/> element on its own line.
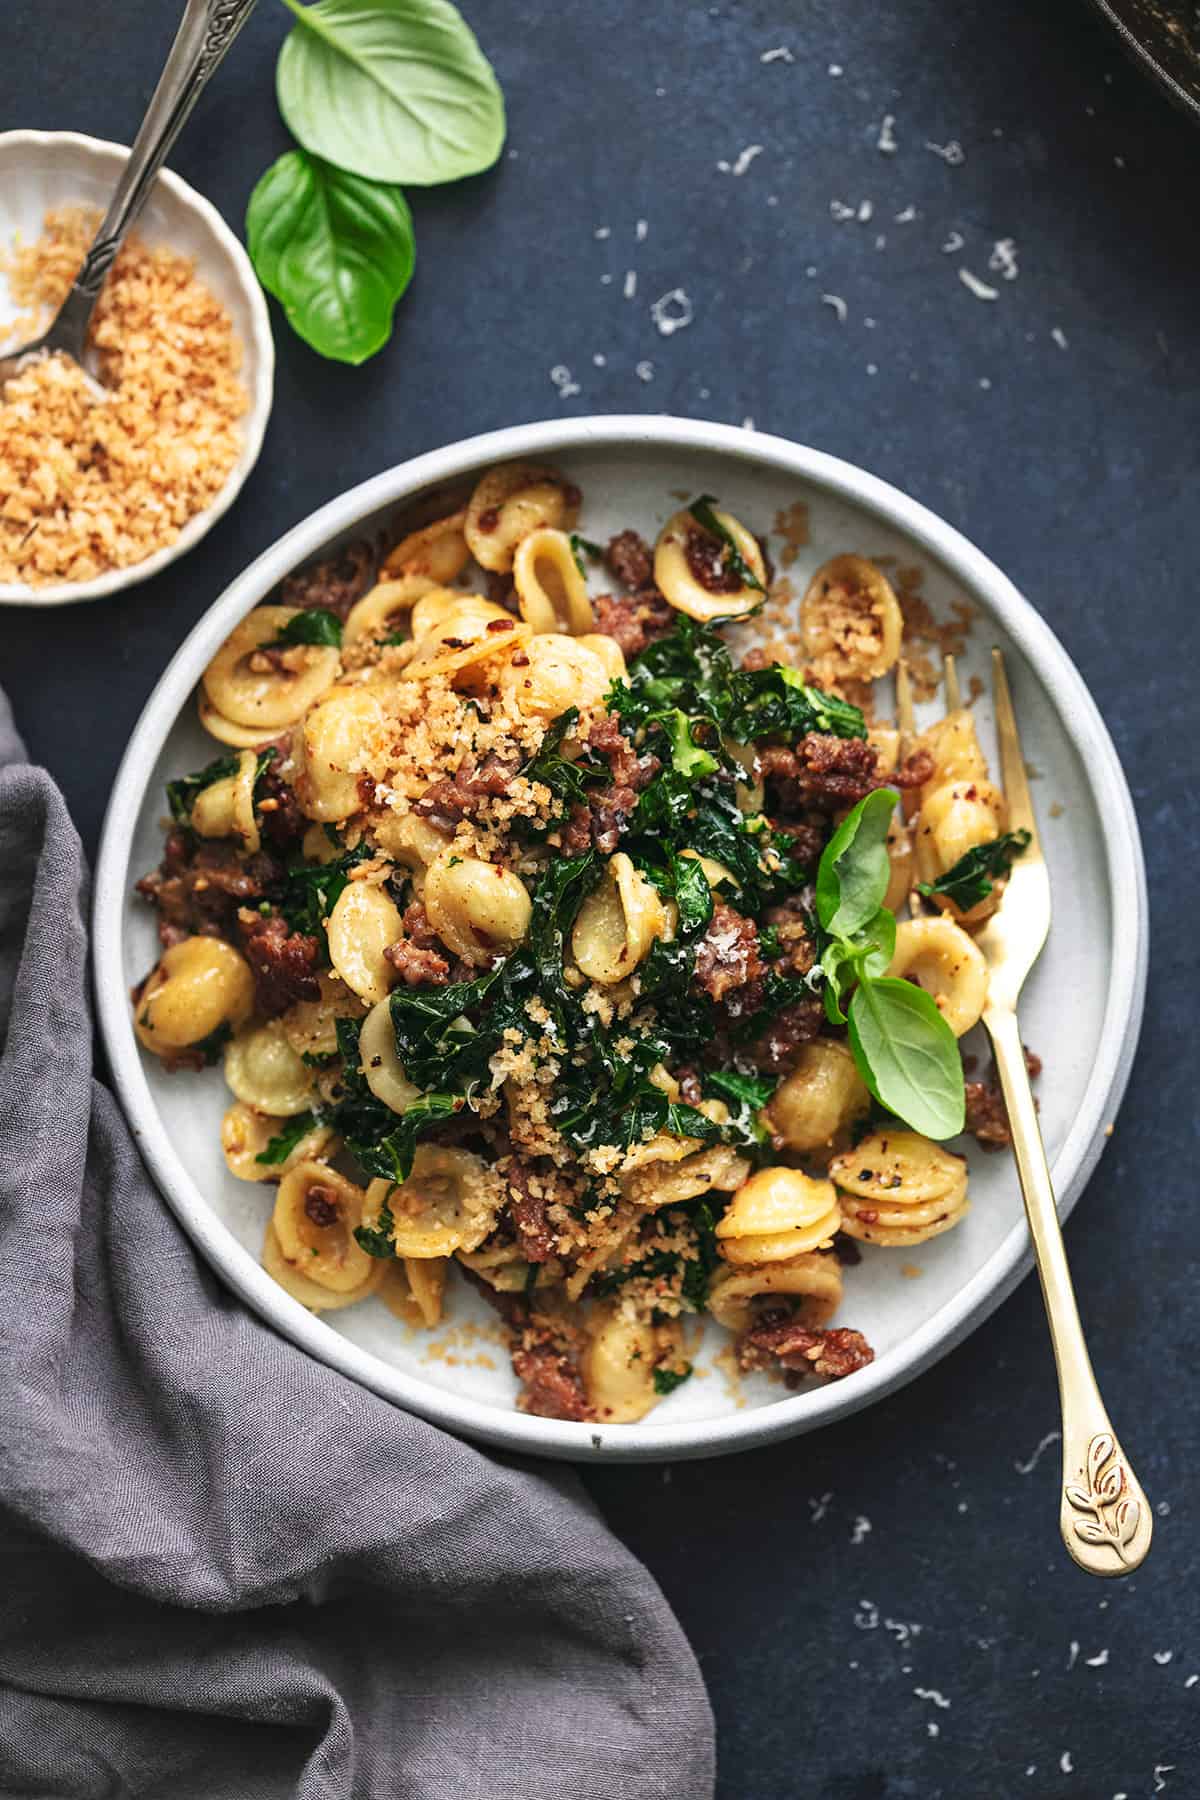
<point x="261" y="388"/>
<point x="1076" y="1159"/>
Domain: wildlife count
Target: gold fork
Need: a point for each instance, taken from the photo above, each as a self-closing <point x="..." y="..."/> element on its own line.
<point x="1104" y="1515"/>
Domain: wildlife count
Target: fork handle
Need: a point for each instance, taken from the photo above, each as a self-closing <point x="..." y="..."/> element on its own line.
<point x="206" y="31"/>
<point x="1104" y="1516"/>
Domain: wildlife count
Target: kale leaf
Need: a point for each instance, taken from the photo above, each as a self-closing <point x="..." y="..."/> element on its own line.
<point x="702" y="511"/>
<point x="285" y="1141"/>
<point x="667" y="1380"/>
<point x="315" y="625"/>
<point x="181" y="794"/>
<point x="310" y="891"/>
<point x="971" y="878"/>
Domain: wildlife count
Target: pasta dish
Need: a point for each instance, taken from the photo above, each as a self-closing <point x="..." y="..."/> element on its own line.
<point x="547" y="937"/>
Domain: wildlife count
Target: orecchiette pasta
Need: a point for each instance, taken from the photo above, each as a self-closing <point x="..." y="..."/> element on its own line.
<point x="413" y="1289"/>
<point x="815" y="1105"/>
<point x="609" y="652"/>
<point x="618" y="922"/>
<point x="310" y="1026"/>
<point x="713" y="1168"/>
<point x="328" y="744"/>
<point x="953" y="819"/>
<point x="939" y="956"/>
<point x="239" y="737"/>
<point x="776" y="1215"/>
<point x="410" y="841"/>
<point x="382" y="608"/>
<point x="294" y="1279"/>
<point x="381" y="1066"/>
<point x="551" y="591"/>
<point x="438" y="551"/>
<point x="897" y="1188"/>
<point x="225" y="808"/>
<point x="363" y="924"/>
<point x="198" y="987"/>
<point x="851" y="619"/>
<point x="438" y="603"/>
<point x="448" y="1203"/>
<point x="558" y="672"/>
<point x="264" y="1071"/>
<point x="464" y="640"/>
<point x="317" y="1212"/>
<point x="510" y="502"/>
<point x="693" y="571"/>
<point x="815" y="1279"/>
<point x="620" y="1361"/>
<point x="479" y="909"/>
<point x="267" y="692"/>
<point x="245" y="1135"/>
<point x="954" y="746"/>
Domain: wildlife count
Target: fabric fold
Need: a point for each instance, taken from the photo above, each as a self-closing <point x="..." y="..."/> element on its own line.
<point x="231" y="1571"/>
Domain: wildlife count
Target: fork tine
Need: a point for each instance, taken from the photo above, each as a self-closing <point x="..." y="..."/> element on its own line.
<point x="1013" y="775"/>
<point x="953" y="694"/>
<point x="906" y="718"/>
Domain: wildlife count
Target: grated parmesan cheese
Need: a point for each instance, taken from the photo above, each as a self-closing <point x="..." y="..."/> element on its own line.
<point x="980" y="289"/>
<point x="886" y="141"/>
<point x="781" y="53"/>
<point x="952" y="152"/>
<point x="838" y="305"/>
<point x="672" y="311"/>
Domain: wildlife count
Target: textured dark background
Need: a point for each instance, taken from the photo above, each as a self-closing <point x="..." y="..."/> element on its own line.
<point x="1074" y="467"/>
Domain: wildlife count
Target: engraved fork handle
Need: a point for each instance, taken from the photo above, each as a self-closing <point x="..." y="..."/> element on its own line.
<point x="1105" y="1517"/>
<point x="205" y="33"/>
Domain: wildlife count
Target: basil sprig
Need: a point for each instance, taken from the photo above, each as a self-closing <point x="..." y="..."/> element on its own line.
<point x="971" y="878"/>
<point x="905" y="1051"/>
<point x="376" y="92"/>
<point x="702" y="511"/>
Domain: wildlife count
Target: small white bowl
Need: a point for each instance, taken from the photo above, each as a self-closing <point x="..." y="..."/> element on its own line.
<point x="44" y="169"/>
<point x="1080" y="1011"/>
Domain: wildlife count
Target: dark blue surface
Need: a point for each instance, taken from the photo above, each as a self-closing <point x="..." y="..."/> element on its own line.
<point x="1074" y="469"/>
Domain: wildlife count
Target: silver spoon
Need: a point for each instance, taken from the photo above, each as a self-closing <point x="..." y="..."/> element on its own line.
<point x="205" y="34"/>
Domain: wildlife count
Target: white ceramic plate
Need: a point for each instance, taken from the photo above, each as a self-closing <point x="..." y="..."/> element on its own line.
<point x="1081" y="1011"/>
<point x="43" y="169"/>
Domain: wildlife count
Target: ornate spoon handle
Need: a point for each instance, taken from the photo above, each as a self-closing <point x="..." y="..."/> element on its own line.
<point x="1105" y="1517"/>
<point x="205" y="33"/>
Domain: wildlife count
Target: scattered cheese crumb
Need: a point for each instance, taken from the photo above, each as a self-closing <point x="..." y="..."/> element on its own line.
<point x="1027" y="1468"/>
<point x="1059" y="336"/>
<point x="886" y="141"/>
<point x="838" y="305"/>
<point x="932" y="1728"/>
<point x="985" y="382"/>
<point x="1073" y="1658"/>
<point x="952" y="152"/>
<point x="872" y="368"/>
<point x="742" y="161"/>
<point x="781" y="53"/>
<point x="1065" y="1763"/>
<point x="1191" y="1681"/>
<point x="862" y="1525"/>
<point x="599" y="360"/>
<point x="864" y="211"/>
<point x="839" y="210"/>
<point x="836" y="69"/>
<point x="955" y="241"/>
<point x="1004" y="259"/>
<point x="818" y="1507"/>
<point x="640" y="230"/>
<point x="907" y="216"/>
<point x="1096" y="1662"/>
<point x="939" y="1699"/>
<point x="644" y="371"/>
<point x="747" y="423"/>
<point x="630" y="283"/>
<point x="560" y="375"/>
<point x="602" y="232"/>
<point x="1163" y="1657"/>
<point x="672" y="311"/>
<point x="980" y="289"/>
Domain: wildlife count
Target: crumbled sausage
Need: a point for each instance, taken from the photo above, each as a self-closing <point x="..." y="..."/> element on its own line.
<point x="283" y="962"/>
<point x="280" y="820"/>
<point x="334" y="584"/>
<point x="822" y="770"/>
<point x="630" y="560"/>
<point x="417" y="956"/>
<point x="801" y="1350"/>
<point x="727" y="956"/>
<point x="600" y="821"/>
<point x="200" y="884"/>
<point x="809" y="837"/>
<point x="633" y="620"/>
<point x="987" y="1115"/>
<point x="777" y="1046"/>
<point x="457" y="796"/>
<point x="321" y="1205"/>
<point x="551" y="1384"/>
<point x="790" y="922"/>
<point x="709" y="561"/>
<point x="527" y="1210"/>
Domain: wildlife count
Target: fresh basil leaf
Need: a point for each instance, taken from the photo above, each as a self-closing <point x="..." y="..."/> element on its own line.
<point x="702" y="511"/>
<point x="282" y="1145"/>
<point x="847" y="961"/>
<point x="337" y="251"/>
<point x="667" y="1380"/>
<point x="853" y="874"/>
<point x="393" y="90"/>
<point x="908" y="1056"/>
<point x="970" y="879"/>
<point x="313" y="625"/>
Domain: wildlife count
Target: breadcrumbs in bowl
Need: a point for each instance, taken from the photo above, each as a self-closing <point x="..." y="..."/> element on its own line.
<point x="88" y="485"/>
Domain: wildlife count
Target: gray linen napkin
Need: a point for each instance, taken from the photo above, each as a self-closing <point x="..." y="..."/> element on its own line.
<point x="227" y="1570"/>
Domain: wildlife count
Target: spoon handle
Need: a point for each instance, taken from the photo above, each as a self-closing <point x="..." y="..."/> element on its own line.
<point x="205" y="33"/>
